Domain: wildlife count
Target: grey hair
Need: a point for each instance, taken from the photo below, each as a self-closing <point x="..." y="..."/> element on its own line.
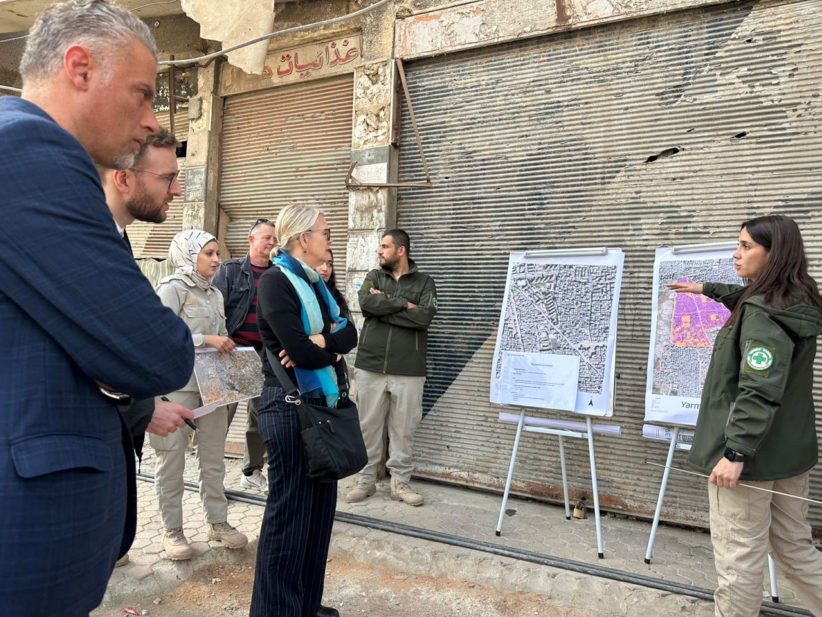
<point x="94" y="24"/>
<point x="292" y="221"/>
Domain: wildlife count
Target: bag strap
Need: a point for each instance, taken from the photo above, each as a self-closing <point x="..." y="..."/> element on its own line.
<point x="292" y="392"/>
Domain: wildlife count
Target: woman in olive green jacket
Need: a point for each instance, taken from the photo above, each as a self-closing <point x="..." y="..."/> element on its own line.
<point x="756" y="419"/>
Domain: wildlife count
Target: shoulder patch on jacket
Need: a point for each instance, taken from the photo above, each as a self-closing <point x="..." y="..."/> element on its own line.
<point x="758" y="358"/>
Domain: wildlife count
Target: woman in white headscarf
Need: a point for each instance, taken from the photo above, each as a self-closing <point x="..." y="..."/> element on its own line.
<point x="189" y="293"/>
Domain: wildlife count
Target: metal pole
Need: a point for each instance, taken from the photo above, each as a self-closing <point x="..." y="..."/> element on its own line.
<point x="510" y="471"/>
<point x="772" y="573"/>
<point x="661" y="497"/>
<point x="595" y="486"/>
<point x="564" y="477"/>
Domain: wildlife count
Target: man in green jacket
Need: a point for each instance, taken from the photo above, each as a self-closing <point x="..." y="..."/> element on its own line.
<point x="398" y="303"/>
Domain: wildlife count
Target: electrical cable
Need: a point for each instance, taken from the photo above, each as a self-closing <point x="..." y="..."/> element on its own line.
<point x="271" y="35"/>
<point x="209" y="57"/>
<point x="692" y="591"/>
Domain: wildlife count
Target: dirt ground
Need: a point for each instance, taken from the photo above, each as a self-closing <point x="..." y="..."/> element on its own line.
<point x="354" y="589"/>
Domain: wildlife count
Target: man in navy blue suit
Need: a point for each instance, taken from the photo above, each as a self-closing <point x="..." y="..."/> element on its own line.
<point x="77" y="324"/>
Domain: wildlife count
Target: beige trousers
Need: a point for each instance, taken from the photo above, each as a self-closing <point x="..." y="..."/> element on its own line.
<point x="744" y="523"/>
<point x="254" y="446"/>
<point x="393" y="402"/>
<point x="209" y="443"/>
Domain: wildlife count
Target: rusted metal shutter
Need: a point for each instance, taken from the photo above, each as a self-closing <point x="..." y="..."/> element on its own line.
<point x="286" y="145"/>
<point x="150" y="239"/>
<point x="654" y="132"/>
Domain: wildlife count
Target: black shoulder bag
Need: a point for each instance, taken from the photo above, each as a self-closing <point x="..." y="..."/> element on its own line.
<point x="332" y="438"/>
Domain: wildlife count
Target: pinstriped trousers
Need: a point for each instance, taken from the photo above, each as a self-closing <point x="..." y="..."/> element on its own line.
<point x="299" y="514"/>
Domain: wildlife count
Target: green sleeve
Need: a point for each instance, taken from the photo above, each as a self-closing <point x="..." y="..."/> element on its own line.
<point x="377" y="305"/>
<point x="726" y="294"/>
<point x="417" y="318"/>
<point x="766" y="352"/>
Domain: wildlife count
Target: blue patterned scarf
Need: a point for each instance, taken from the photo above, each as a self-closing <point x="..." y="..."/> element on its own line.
<point x="305" y="279"/>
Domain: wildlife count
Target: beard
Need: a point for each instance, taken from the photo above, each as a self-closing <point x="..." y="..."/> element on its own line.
<point x="389" y="263"/>
<point x="142" y="208"/>
<point x="124" y="160"/>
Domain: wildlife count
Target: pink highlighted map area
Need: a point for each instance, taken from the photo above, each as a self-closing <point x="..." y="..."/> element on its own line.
<point x="694" y="317"/>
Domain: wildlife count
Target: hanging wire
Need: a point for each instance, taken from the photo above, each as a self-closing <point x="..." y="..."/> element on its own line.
<point x="265" y="37"/>
<point x="271" y="35"/>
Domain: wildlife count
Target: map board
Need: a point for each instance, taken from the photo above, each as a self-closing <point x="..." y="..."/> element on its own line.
<point x="227" y="378"/>
<point x="683" y="329"/>
<point x="562" y="306"/>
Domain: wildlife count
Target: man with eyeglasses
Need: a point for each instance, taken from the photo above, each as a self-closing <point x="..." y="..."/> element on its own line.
<point x="143" y="193"/>
<point x="238" y="280"/>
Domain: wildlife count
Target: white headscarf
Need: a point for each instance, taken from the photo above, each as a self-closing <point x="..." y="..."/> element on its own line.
<point x="183" y="253"/>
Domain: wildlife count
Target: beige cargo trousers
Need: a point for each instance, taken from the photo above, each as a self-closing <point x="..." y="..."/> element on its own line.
<point x="392" y="402"/>
<point x="745" y="524"/>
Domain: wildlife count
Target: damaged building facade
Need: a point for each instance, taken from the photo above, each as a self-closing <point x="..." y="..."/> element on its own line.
<point x="544" y="124"/>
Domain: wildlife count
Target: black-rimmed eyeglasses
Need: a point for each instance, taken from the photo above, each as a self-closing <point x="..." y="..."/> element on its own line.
<point x="170" y="177"/>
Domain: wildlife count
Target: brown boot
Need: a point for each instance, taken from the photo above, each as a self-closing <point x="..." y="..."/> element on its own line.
<point x="400" y="491"/>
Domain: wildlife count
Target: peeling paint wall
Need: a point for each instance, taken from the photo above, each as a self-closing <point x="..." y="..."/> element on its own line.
<point x="432" y="28"/>
<point x="232" y="22"/>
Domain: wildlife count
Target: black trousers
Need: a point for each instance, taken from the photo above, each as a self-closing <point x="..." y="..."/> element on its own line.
<point x="299" y="514"/>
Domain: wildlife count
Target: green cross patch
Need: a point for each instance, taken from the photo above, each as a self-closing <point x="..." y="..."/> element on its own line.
<point x="758" y="359"/>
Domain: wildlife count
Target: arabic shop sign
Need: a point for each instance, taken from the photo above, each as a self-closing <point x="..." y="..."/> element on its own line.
<point x="335" y="57"/>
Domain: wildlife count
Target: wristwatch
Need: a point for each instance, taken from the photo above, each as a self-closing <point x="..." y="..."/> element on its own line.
<point x="734" y="456"/>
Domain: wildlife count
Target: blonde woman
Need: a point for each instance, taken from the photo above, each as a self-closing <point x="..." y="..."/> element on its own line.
<point x="301" y="326"/>
<point x="189" y="293"/>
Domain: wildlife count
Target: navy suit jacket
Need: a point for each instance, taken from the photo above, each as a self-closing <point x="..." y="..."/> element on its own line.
<point x="74" y="308"/>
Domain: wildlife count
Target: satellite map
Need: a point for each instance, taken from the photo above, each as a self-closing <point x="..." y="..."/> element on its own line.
<point x="561" y="309"/>
<point x="687" y="325"/>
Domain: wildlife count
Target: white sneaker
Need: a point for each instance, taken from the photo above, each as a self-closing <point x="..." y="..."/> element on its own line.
<point x="256" y="481"/>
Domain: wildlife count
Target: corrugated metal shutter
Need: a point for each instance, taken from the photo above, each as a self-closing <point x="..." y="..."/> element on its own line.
<point x="660" y="131"/>
<point x="286" y="145"/>
<point x="181" y="121"/>
<point x="149" y="239"/>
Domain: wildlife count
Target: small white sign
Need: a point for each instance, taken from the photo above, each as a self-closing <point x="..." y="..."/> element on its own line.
<point x="539" y="380"/>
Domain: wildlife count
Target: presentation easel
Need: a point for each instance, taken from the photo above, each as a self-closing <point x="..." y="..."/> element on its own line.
<point x="661" y="498"/>
<point x="560" y="433"/>
<point x="569" y="429"/>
